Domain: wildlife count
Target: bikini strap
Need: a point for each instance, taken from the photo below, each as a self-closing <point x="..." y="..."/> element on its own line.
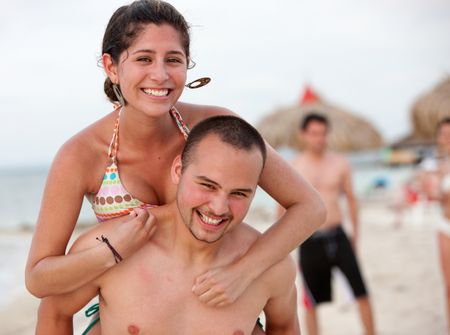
<point x="180" y="123"/>
<point x="114" y="145"/>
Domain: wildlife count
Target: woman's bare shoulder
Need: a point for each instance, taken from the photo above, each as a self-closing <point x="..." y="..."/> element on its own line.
<point x="87" y="149"/>
<point x="92" y="139"/>
<point x="194" y="113"/>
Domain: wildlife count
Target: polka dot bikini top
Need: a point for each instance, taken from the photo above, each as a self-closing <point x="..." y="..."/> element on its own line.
<point x="112" y="199"/>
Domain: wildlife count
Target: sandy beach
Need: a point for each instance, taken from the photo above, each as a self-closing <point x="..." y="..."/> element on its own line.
<point x="400" y="265"/>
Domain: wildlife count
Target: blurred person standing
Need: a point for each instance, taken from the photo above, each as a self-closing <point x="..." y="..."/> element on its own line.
<point x="435" y="183"/>
<point x="329" y="247"/>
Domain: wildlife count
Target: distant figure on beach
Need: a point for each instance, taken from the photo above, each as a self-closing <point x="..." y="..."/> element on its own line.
<point x="435" y="182"/>
<point x="123" y="161"/>
<point x="329" y="247"/>
<point x="150" y="291"/>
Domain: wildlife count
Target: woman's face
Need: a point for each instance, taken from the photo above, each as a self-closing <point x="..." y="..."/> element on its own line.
<point x="443" y="137"/>
<point x="152" y="71"/>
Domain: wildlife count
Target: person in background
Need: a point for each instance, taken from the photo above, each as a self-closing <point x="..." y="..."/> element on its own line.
<point x="329" y="247"/>
<point x="435" y="183"/>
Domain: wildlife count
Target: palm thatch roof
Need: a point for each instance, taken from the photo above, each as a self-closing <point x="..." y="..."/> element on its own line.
<point x="429" y="109"/>
<point x="348" y="132"/>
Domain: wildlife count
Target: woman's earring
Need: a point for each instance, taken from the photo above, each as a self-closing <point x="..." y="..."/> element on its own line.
<point x="198" y="82"/>
<point x="118" y="94"/>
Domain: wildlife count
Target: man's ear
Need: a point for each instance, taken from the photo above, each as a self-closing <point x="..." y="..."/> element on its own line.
<point x="110" y="68"/>
<point x="175" y="172"/>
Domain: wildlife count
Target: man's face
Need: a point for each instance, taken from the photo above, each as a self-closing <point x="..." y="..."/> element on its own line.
<point x="443" y="137"/>
<point x="315" y="136"/>
<point x="216" y="188"/>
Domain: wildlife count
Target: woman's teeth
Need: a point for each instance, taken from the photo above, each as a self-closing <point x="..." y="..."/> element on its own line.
<point x="156" y="93"/>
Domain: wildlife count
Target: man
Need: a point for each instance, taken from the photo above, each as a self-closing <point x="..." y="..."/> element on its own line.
<point x="150" y="291"/>
<point x="435" y="183"/>
<point x="329" y="247"/>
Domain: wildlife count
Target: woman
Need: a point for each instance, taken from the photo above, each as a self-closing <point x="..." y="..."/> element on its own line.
<point x="435" y="182"/>
<point x="145" y="55"/>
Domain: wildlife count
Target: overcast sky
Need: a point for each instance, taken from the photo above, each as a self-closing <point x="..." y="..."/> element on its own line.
<point x="371" y="57"/>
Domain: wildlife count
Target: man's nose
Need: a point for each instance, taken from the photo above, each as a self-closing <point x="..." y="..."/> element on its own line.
<point x="219" y="205"/>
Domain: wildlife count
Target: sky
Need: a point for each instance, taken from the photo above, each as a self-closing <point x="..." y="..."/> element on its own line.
<point x="373" y="58"/>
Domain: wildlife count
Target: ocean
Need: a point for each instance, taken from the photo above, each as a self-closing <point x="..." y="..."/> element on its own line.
<point x="20" y="198"/>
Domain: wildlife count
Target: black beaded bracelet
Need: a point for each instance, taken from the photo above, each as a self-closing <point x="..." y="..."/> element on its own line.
<point x="116" y="255"/>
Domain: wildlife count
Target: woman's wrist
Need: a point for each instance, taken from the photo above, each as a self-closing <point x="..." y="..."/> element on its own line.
<point x="117" y="257"/>
<point x="251" y="265"/>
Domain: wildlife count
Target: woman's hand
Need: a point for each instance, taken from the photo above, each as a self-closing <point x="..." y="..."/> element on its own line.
<point x="126" y="234"/>
<point x="132" y="234"/>
<point x="222" y="286"/>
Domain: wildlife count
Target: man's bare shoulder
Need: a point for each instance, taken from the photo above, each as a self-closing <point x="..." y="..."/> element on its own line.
<point x="243" y="236"/>
<point x="280" y="277"/>
<point x="282" y="272"/>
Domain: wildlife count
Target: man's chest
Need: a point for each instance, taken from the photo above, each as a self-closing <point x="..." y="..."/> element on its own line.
<point x="161" y="301"/>
<point x="324" y="177"/>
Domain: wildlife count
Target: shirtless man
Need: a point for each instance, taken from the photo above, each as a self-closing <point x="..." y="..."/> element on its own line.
<point x="150" y="292"/>
<point x="329" y="247"/>
<point x="435" y="182"/>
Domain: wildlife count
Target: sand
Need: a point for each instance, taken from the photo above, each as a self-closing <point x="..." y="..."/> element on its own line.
<point x="400" y="265"/>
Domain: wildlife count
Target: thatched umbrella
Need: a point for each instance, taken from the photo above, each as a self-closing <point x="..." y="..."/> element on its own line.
<point x="429" y="109"/>
<point x="348" y="132"/>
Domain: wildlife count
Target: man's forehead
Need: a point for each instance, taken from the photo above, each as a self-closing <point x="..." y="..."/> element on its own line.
<point x="316" y="125"/>
<point x="445" y="127"/>
<point x="212" y="145"/>
<point x="226" y="165"/>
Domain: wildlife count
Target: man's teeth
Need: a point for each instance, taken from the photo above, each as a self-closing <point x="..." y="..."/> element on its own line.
<point x="158" y="93"/>
<point x="209" y="220"/>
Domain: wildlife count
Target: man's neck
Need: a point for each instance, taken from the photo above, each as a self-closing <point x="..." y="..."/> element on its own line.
<point x="315" y="155"/>
<point x="180" y="241"/>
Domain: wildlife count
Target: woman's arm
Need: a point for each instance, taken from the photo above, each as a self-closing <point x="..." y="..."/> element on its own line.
<point x="49" y="271"/>
<point x="305" y="212"/>
<point x="56" y="312"/>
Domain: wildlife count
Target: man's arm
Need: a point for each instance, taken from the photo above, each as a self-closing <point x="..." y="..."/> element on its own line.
<point x="281" y="308"/>
<point x="352" y="202"/>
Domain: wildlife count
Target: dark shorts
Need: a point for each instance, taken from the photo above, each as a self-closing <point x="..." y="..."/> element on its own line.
<point x="319" y="254"/>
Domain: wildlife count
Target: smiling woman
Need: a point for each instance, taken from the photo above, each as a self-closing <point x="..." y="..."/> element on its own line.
<point x="123" y="161"/>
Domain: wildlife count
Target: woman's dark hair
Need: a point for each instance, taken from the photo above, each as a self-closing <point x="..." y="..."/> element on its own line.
<point x="128" y="21"/>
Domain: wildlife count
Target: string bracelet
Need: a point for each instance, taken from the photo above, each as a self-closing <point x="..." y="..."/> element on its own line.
<point x="116" y="255"/>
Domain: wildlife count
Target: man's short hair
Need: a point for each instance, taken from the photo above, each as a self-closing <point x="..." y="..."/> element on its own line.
<point x="313" y="117"/>
<point x="442" y="122"/>
<point x="231" y="130"/>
